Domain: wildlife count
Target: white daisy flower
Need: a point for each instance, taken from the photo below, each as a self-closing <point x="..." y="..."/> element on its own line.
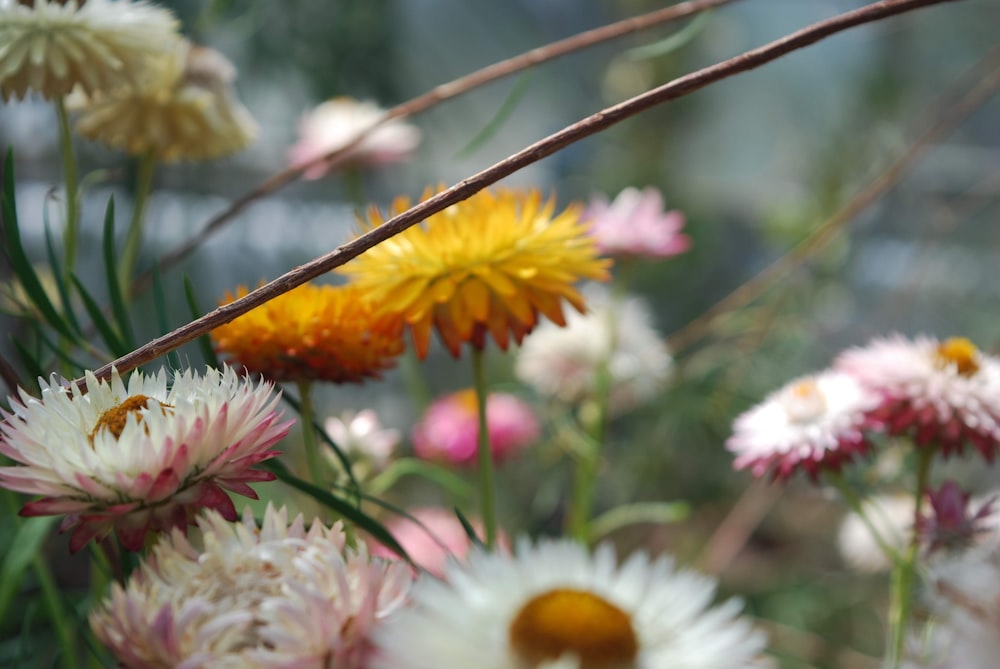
<point x="185" y="108"/>
<point x="555" y="606"/>
<point x="943" y="394"/>
<point x="248" y="597"/>
<point x="52" y="46"/>
<point x="565" y="361"/>
<point x="813" y="422"/>
<point x="139" y="456"/>
<point x="335" y="123"/>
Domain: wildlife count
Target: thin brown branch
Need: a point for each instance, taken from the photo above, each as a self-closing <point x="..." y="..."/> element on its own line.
<point x="585" y="128"/>
<point x="985" y="75"/>
<point x="425" y="101"/>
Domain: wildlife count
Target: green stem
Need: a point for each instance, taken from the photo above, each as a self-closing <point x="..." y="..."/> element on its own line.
<point x="57" y="613"/>
<point x="313" y="461"/>
<point x="487" y="493"/>
<point x="903" y="576"/>
<point x="855" y="504"/>
<point x="133" y="240"/>
<point x="70" y="180"/>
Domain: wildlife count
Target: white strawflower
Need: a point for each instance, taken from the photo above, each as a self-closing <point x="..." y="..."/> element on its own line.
<point x="52" y="46"/>
<point x="139" y="456"/>
<point x="565" y="362"/>
<point x="361" y="434"/>
<point x="248" y="597"/>
<point x="554" y="605"/>
<point x="185" y="108"/>
<point x="943" y="394"/>
<point x="812" y="423"/>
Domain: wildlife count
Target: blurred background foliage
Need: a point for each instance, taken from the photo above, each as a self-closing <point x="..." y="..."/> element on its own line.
<point x="756" y="163"/>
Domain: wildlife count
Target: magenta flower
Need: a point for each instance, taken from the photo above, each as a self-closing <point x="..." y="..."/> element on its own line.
<point x="952" y="522"/>
<point x="636" y="225"/>
<point x="450" y="428"/>
<point x="139" y="456"/>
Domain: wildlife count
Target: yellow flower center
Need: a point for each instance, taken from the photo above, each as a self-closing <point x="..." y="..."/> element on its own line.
<point x="960" y="353"/>
<point x="580" y="623"/>
<point x="804" y="402"/>
<point x="113" y="420"/>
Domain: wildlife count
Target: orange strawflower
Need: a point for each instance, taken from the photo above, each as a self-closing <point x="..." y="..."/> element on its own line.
<point x="486" y="266"/>
<point x="313" y="333"/>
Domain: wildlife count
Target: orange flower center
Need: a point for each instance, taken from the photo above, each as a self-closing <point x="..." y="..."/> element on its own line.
<point x="580" y="623"/>
<point x="960" y="353"/>
<point x="113" y="420"/>
<point x="804" y="402"/>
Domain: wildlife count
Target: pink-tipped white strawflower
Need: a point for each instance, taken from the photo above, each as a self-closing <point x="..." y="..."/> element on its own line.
<point x="634" y="224"/>
<point x="248" y="597"/>
<point x="943" y="394"/>
<point x="813" y="423"/>
<point x="557" y="606"/>
<point x="139" y="456"/>
<point x="449" y="430"/>
<point x="336" y="123"/>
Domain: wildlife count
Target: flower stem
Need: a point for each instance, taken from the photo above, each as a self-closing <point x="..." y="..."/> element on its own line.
<point x="306" y="412"/>
<point x="57" y="613"/>
<point x="71" y="182"/>
<point x="133" y="240"/>
<point x="901" y="604"/>
<point x="487" y="493"/>
<point x="854" y="502"/>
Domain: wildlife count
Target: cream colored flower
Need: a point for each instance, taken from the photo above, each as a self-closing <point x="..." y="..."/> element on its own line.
<point x="52" y="46"/>
<point x="251" y="597"/>
<point x="185" y="109"/>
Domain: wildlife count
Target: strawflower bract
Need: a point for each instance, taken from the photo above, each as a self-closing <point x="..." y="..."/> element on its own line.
<point x="53" y="46"/>
<point x="139" y="456"/>
<point x="487" y="266"/>
<point x="813" y="423"/>
<point x="185" y="108"/>
<point x="556" y="606"/>
<point x="944" y="394"/>
<point x="313" y="333"/>
<point x="635" y="224"/>
<point x="277" y="595"/>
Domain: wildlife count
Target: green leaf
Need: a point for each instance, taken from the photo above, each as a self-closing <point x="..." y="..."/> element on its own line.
<point x="56" y="267"/>
<point x="29" y="361"/>
<point x="673" y="42"/>
<point x="160" y="303"/>
<point x="338" y="505"/>
<point x="337" y="451"/>
<point x="661" y="513"/>
<point x="470" y="531"/>
<point x="504" y="112"/>
<point x="117" y="347"/>
<point x="19" y="261"/>
<point x="204" y="341"/>
<point x="24" y="546"/>
<point x="59" y="353"/>
<point x="445" y="478"/>
<point x="111" y="272"/>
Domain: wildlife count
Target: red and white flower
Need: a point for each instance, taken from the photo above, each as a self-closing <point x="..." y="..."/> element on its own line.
<point x="139" y="456"/>
<point x="812" y="423"/>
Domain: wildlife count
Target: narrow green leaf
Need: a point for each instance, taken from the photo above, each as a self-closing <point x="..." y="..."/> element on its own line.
<point x="59" y="353"/>
<point x="30" y="362"/>
<point x="445" y="478"/>
<point x="336" y="504"/>
<point x="504" y="112"/>
<point x="661" y="513"/>
<point x="56" y="267"/>
<point x="204" y="341"/>
<point x="19" y="259"/>
<point x="160" y="302"/>
<point x="25" y="544"/>
<point x="470" y="531"/>
<point x="673" y="42"/>
<point x="337" y="451"/>
<point x="104" y="328"/>
<point x="111" y="272"/>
